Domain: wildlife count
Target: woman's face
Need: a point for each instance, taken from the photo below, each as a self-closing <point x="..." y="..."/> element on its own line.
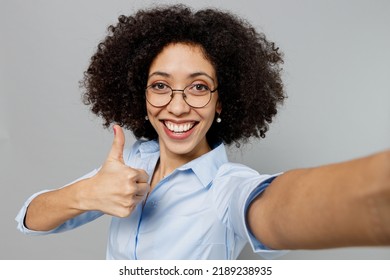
<point x="182" y="129"/>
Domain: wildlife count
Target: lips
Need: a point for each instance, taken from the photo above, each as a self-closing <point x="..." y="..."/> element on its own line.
<point x="179" y="127"/>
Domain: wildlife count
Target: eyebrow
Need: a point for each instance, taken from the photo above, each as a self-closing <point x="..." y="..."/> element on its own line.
<point x="192" y="75"/>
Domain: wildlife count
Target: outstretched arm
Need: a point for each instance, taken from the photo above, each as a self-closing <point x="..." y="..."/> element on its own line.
<point x="337" y="205"/>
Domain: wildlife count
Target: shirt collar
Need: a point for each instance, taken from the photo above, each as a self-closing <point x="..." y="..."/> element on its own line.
<point x="204" y="167"/>
<point x="148" y="148"/>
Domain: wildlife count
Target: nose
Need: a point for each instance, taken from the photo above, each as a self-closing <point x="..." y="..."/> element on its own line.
<point x="178" y="106"/>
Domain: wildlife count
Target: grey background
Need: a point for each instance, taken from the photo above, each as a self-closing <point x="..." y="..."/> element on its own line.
<point x="336" y="75"/>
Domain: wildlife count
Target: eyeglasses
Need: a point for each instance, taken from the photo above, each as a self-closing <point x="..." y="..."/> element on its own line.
<point x="195" y="95"/>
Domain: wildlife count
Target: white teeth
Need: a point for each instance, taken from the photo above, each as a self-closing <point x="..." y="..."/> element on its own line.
<point x="179" y="128"/>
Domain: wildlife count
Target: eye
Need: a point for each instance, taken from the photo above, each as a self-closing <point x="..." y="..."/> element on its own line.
<point x="198" y="88"/>
<point x="159" y="87"/>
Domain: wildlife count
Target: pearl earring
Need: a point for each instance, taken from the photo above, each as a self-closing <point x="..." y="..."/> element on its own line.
<point x="146" y="118"/>
<point x="218" y="120"/>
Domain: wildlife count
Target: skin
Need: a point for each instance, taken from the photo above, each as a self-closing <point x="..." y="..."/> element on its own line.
<point x="336" y="205"/>
<point x="178" y="66"/>
<point x="342" y="204"/>
<point x="116" y="189"/>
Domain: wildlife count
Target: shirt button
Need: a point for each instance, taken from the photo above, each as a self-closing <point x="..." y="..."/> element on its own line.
<point x="153" y="204"/>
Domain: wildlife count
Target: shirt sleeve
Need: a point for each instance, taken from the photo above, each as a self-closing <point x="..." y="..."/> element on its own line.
<point x="237" y="186"/>
<point x="258" y="247"/>
<point x="68" y="225"/>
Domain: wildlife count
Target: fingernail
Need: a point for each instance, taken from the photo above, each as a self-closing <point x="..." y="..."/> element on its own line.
<point x="114" y="131"/>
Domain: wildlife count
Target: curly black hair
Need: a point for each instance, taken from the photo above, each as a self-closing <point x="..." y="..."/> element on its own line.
<point x="247" y="66"/>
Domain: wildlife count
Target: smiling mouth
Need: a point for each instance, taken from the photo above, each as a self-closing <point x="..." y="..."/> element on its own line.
<point x="179" y="128"/>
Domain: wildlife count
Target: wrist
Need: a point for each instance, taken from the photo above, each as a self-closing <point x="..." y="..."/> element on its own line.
<point x="81" y="195"/>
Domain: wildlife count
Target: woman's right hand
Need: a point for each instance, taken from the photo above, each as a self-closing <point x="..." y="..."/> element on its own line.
<point x="117" y="188"/>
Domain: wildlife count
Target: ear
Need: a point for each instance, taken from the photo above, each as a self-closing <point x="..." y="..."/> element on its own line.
<point x="218" y="107"/>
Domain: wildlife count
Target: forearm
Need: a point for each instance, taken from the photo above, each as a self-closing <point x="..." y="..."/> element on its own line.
<point x="51" y="209"/>
<point x="344" y="204"/>
<point x="115" y="189"/>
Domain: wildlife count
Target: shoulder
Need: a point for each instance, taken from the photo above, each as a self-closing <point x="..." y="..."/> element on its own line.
<point x="234" y="171"/>
<point x="233" y="188"/>
<point x="235" y="182"/>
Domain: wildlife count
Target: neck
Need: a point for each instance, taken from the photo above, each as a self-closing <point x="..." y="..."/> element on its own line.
<point x="169" y="161"/>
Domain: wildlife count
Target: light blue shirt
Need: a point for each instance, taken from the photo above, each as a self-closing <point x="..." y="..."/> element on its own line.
<point x="196" y="212"/>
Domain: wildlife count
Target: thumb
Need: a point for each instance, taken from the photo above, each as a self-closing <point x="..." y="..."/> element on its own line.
<point x="117" y="144"/>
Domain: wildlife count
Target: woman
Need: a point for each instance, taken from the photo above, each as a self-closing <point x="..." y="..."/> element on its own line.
<point x="187" y="84"/>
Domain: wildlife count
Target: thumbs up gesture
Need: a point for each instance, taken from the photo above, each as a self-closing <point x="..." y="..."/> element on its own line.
<point x="117" y="188"/>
